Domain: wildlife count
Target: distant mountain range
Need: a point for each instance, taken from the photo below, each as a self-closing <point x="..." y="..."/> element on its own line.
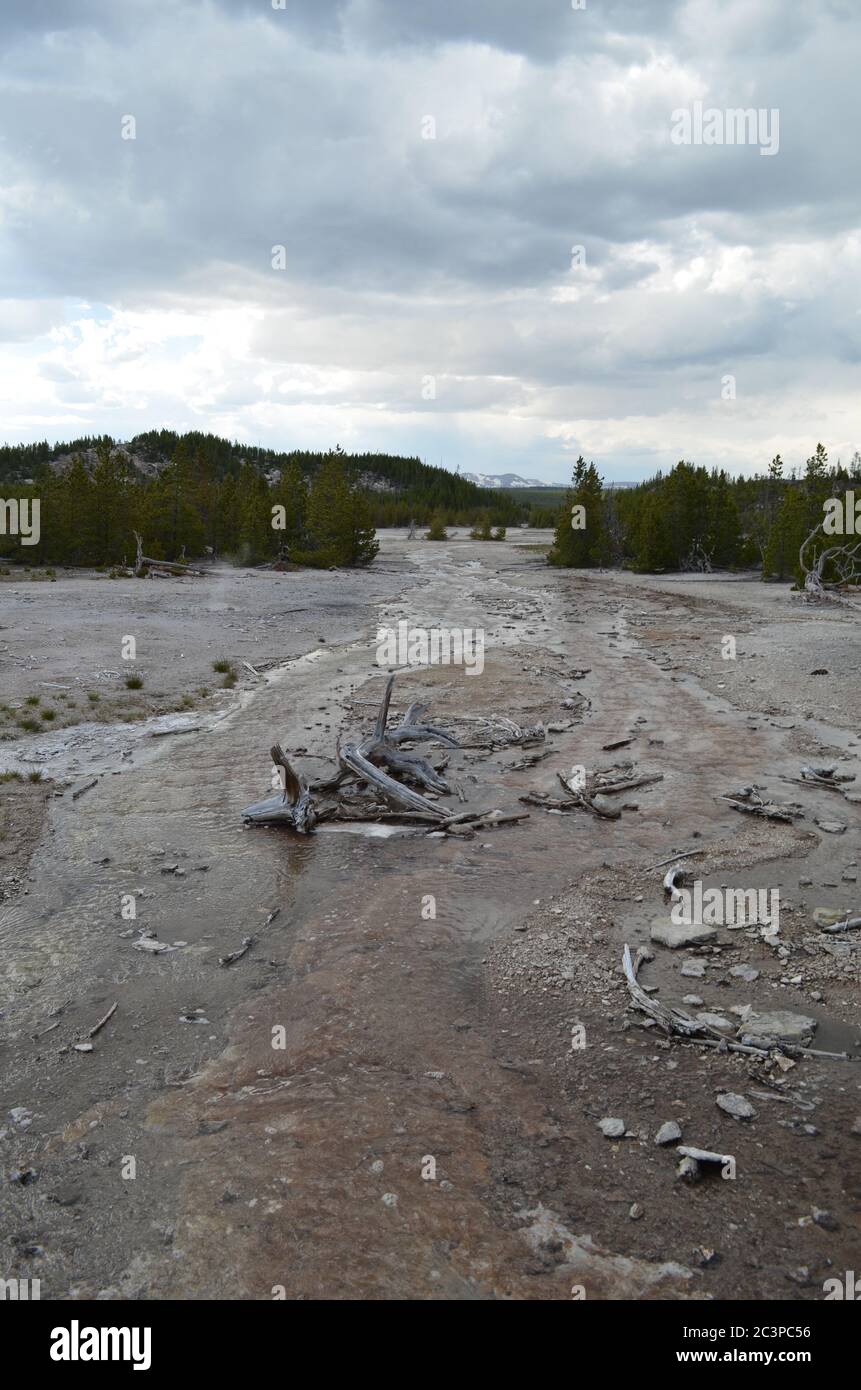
<point x="515" y="480"/>
<point x="503" y="480"/>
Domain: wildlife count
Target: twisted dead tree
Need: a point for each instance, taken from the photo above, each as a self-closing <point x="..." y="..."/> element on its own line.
<point x="842" y="561"/>
<point x="698" y="560"/>
<point x="292" y="806"/>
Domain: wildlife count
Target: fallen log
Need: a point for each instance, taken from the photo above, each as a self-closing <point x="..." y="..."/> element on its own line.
<point x="394" y="791"/>
<point x="669" y="1020"/>
<point x="232" y="956"/>
<point x="849" y="924"/>
<point x="748" y="800"/>
<point x="148" y="562"/>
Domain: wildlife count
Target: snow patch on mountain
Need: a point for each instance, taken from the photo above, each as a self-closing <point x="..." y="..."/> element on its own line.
<point x="503" y="480"/>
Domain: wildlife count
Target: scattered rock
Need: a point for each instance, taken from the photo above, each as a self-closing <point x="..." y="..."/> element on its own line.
<point x="151" y="945"/>
<point x="67" y="1196"/>
<point x="689" y="1170"/>
<point x="714" y="1020"/>
<point x="668" y="1133"/>
<point x="733" y="1104"/>
<point x="704" y="1255"/>
<point x="612" y="1128"/>
<point x="828" y="916"/>
<point x="745" y="972"/>
<point x="779" y="1026"/>
<point x="675" y="935"/>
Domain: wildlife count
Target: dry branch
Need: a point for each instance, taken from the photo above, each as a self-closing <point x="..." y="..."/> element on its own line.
<point x="748" y="799"/>
<point x="97" y="1027"/>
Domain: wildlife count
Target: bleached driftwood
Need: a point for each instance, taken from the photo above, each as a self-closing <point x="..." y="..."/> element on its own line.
<point x="609" y="782"/>
<point x="669" y="1020"/>
<point x="370" y="783"/>
<point x="292" y="807"/>
<point x="848" y="924"/>
<point x="748" y="799"/>
<point x="391" y="790"/>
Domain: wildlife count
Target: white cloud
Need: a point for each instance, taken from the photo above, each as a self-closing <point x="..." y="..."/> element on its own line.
<point x="137" y="280"/>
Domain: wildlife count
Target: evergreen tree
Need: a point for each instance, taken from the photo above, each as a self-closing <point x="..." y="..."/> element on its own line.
<point x="257" y="538"/>
<point x="653" y="541"/>
<point x="291" y="494"/>
<point x="581" y="538"/>
<point x="786" y="536"/>
<point x="723" y="534"/>
<point x="816" y="469"/>
<point x="72" y="495"/>
<point x="227" y="517"/>
<point x="110" y="503"/>
<point x="339" y="519"/>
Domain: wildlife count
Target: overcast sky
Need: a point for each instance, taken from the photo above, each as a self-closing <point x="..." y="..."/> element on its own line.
<point x="428" y="166"/>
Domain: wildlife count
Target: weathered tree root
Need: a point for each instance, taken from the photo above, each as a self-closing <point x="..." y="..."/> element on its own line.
<point x="293" y="807"/>
<point x="366" y="790"/>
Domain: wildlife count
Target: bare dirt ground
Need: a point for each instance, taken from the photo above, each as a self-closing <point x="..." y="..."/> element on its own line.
<point x="376" y="1102"/>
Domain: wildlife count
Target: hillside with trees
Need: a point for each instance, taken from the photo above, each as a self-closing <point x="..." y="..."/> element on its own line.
<point x="196" y="494"/>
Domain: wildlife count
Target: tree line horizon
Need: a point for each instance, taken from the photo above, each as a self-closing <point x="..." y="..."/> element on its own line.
<point x="204" y="495"/>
